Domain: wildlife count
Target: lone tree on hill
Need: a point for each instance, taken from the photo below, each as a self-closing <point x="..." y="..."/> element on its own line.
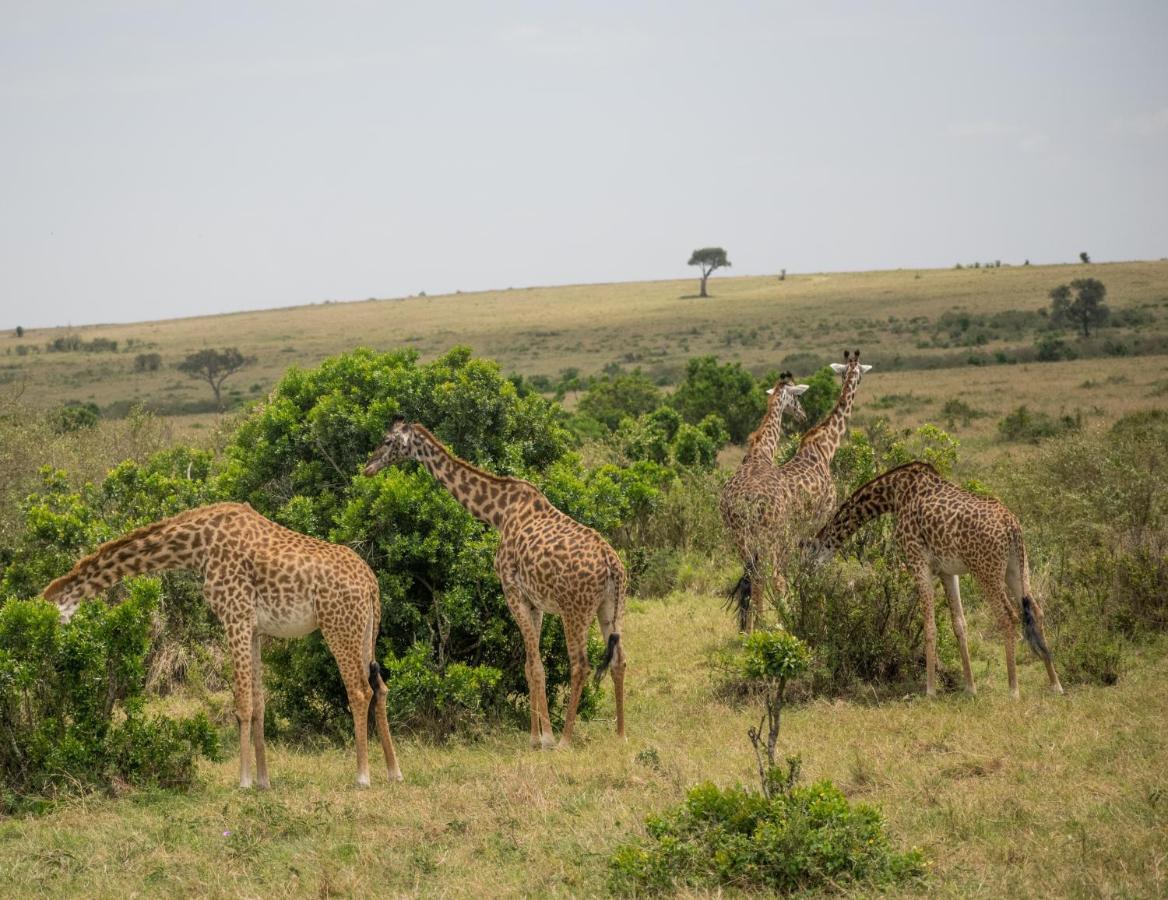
<point x="214" y="366"/>
<point x="1083" y="257"/>
<point x="1084" y="309"/>
<point x="709" y="258"/>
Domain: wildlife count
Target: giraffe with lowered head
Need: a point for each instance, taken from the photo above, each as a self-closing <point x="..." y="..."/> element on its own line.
<point x="945" y="530"/>
<point x="801" y="488"/>
<point x="546" y="562"/>
<point x="259" y="578"/>
<point x="747" y="497"/>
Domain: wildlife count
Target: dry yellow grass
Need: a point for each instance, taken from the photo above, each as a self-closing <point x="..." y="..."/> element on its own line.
<point x="758" y="321"/>
<point x="1047" y="796"/>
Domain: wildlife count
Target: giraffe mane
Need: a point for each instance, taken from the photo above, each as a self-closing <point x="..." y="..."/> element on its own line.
<point x="491" y="476"/>
<point x="59" y="584"/>
<point x="911" y="464"/>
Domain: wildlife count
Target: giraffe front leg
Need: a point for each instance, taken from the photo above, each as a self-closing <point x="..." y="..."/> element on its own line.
<point x="239" y="637"/>
<point x="529" y="618"/>
<point x="257" y="713"/>
<point x="953" y="591"/>
<point x="924" y="580"/>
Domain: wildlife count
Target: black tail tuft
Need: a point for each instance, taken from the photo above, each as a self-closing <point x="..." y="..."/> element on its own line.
<point x="609" y="653"/>
<point x="738" y="597"/>
<point x="374" y="676"/>
<point x="1030" y="629"/>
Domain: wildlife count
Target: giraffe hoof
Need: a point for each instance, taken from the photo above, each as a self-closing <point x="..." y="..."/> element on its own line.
<point x="362" y="782"/>
<point x="396" y="775"/>
<point x="547" y="742"/>
<point x="563" y="745"/>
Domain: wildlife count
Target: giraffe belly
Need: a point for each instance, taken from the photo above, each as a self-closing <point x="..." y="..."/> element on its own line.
<point x="291" y="621"/>
<point x="949" y="565"/>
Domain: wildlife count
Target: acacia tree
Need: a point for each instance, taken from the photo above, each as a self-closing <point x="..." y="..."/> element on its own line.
<point x="1084" y="309"/>
<point x="709" y="258"/>
<point x="214" y="367"/>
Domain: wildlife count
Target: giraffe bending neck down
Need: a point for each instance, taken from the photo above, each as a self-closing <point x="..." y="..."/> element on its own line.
<point x="763" y="504"/>
<point x="944" y="530"/>
<point x="259" y="578"/>
<point x="546" y="562"/>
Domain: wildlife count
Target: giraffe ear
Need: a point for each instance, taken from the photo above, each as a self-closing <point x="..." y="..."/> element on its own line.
<point x="864" y="369"/>
<point x="397" y="420"/>
<point x="770" y="391"/>
<point x="798" y="389"/>
<point x="839" y="368"/>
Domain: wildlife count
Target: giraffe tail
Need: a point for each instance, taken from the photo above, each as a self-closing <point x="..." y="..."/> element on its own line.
<point x="738" y="598"/>
<point x="1030" y="629"/>
<point x="609" y="655"/>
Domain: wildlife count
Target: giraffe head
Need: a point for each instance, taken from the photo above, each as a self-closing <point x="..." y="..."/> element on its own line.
<point x="850" y="365"/>
<point x="398" y="444"/>
<point x="783" y="398"/>
<point x="65" y="600"/>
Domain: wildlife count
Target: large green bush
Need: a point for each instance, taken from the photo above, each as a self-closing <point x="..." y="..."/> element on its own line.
<point x="71" y="701"/>
<point x="620" y="396"/>
<point x="726" y="390"/>
<point x="299" y="458"/>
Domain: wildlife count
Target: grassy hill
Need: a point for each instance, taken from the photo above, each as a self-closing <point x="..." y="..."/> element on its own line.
<point x="1045" y="796"/>
<point x="933" y="335"/>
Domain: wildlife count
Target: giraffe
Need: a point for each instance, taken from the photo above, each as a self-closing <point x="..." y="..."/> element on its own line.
<point x="776" y="498"/>
<point x="945" y="530"/>
<point x="546" y="562"/>
<point x="259" y="579"/>
<point x="747" y="487"/>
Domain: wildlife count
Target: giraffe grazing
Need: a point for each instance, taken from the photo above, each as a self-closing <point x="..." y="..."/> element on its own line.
<point x="771" y="500"/>
<point x="259" y="578"/>
<point x="945" y="530"/>
<point x="546" y="562"/>
<point x="746" y="494"/>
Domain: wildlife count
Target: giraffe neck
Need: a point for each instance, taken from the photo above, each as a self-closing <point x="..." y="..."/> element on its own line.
<point x="822" y="441"/>
<point x="179" y="542"/>
<point x="489" y="498"/>
<point x="883" y="494"/>
<point x="766" y="438"/>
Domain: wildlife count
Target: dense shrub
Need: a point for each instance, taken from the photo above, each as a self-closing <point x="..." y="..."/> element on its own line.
<point x="662" y="437"/>
<point x="726" y="390"/>
<point x="298" y="460"/>
<point x="71" y="701"/>
<point x="71" y="417"/>
<point x="625" y="395"/>
<point x="861" y="617"/>
<point x="1024" y="425"/>
<point x="803" y="839"/>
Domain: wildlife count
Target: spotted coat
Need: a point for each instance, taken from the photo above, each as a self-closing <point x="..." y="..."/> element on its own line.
<point x="259" y="578"/>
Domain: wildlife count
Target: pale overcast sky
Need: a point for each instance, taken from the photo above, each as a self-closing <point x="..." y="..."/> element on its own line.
<point x="167" y="159"/>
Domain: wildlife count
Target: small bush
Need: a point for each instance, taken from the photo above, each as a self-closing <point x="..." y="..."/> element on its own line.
<point x="71" y="702"/>
<point x="147" y="362"/>
<point x="440" y="703"/>
<point x="1024" y="425"/>
<point x="804" y="839"/>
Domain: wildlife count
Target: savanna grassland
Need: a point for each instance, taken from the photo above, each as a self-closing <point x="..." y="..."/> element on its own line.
<point x="1047" y="796"/>
<point x="933" y="335"/>
<point x="1041" y="796"/>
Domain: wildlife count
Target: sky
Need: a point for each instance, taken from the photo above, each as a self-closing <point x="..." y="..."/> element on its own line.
<point x="162" y="159"/>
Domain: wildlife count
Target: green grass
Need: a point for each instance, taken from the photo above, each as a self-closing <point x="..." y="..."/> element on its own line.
<point x="1046" y="796"/>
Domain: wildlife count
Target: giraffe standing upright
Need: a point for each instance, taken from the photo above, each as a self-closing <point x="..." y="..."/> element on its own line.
<point x="774" y="500"/>
<point x="746" y="496"/>
<point x="944" y="530"/>
<point x="546" y="562"/>
<point x="259" y="578"/>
